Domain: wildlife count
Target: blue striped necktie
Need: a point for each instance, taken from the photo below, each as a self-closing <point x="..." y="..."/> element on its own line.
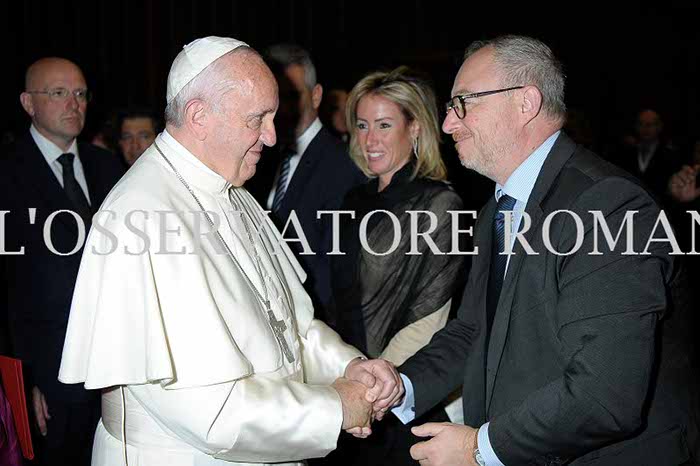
<point x="281" y="188"/>
<point x="498" y="261"/>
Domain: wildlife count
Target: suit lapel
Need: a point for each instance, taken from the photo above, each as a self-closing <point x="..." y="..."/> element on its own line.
<point x="41" y="180"/>
<point x="92" y="176"/>
<point x="474" y="404"/>
<point x="501" y="320"/>
<point x="303" y="172"/>
<point x="560" y="153"/>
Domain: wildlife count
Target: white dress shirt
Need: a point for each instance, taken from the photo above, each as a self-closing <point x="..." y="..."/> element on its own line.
<point x="644" y="156"/>
<point x="52" y="152"/>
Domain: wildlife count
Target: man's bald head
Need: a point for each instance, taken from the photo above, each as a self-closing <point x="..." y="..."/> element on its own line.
<point x="50" y="99"/>
<point x="41" y="69"/>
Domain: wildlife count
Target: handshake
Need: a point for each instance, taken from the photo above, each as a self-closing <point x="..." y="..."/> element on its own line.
<point x="368" y="390"/>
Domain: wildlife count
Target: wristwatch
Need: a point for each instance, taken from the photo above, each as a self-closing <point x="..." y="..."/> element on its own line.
<point x="478" y="458"/>
<point x="477" y="454"/>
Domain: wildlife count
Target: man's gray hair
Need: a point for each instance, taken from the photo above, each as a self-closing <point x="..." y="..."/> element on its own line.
<point x="292" y="54"/>
<point x="526" y="61"/>
<point x="209" y="86"/>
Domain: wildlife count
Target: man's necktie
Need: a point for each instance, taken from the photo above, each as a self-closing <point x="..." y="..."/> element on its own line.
<point x="73" y="189"/>
<point x="498" y="261"/>
<point x="281" y="188"/>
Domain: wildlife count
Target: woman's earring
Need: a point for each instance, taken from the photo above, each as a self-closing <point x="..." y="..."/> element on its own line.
<point x="415" y="147"/>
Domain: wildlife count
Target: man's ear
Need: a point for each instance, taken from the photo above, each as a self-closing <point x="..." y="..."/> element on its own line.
<point x="316" y="96"/>
<point x="197" y="115"/>
<point x="26" y="100"/>
<point x="531" y="103"/>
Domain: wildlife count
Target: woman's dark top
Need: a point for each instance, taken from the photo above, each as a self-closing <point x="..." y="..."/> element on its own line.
<point x="375" y="296"/>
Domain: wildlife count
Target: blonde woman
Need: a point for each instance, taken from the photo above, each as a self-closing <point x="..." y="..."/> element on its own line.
<point x="392" y="293"/>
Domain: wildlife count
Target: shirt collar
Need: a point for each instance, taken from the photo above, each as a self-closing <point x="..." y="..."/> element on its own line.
<point x="520" y="183"/>
<point x="50" y="150"/>
<point x="308" y="135"/>
<point x="193" y="170"/>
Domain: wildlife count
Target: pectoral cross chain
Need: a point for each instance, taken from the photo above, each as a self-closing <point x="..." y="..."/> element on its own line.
<point x="278" y="328"/>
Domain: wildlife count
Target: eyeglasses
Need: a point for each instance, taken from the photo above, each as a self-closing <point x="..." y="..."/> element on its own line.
<point x="457" y="102"/>
<point x="60" y="94"/>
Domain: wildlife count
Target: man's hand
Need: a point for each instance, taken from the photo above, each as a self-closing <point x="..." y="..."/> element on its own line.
<point x="357" y="411"/>
<point x="41" y="410"/>
<point x="681" y="185"/>
<point x="451" y="444"/>
<point x="384" y="383"/>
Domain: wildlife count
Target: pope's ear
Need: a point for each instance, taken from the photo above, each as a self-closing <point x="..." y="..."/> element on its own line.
<point x="197" y="115"/>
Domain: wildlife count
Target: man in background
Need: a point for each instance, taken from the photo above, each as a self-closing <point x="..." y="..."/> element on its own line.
<point x="311" y="170"/>
<point x="48" y="170"/>
<point x="137" y="131"/>
<point x="651" y="158"/>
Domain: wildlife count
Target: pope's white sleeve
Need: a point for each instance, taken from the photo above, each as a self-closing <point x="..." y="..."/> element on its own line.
<point x="256" y="419"/>
<point x="325" y="354"/>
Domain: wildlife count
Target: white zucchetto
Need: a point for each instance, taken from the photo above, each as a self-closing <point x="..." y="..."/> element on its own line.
<point x="194" y="58"/>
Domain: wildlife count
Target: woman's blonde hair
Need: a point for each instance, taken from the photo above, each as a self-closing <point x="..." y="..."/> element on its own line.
<point x="417" y="102"/>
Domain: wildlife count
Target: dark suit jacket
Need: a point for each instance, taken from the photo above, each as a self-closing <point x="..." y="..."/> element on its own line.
<point x="324" y="175"/>
<point x="39" y="284"/>
<point x="578" y="367"/>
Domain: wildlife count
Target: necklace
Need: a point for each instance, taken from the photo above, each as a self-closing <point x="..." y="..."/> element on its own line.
<point x="277" y="326"/>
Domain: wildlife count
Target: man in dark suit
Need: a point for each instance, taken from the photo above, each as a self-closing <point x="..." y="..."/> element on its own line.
<point x="48" y="171"/>
<point x="565" y="355"/>
<point x="313" y="170"/>
<point x="652" y="159"/>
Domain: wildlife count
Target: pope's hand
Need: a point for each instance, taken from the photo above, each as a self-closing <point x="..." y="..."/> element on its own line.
<point x="384" y="383"/>
<point x="357" y="410"/>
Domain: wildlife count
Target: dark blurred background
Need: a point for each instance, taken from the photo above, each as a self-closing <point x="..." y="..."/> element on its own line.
<point x="617" y="61"/>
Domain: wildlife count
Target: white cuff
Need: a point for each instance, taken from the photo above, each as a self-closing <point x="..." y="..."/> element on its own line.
<point x="484" y="445"/>
<point x="406" y="411"/>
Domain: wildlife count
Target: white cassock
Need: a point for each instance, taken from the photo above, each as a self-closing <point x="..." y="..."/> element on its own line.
<point x="176" y="323"/>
